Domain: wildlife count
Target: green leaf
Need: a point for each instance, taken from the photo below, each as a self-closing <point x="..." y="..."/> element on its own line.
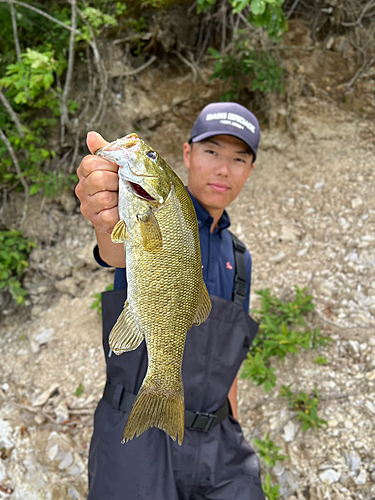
<point x="258" y="7"/>
<point x="35" y="188"/>
<point x="79" y="390"/>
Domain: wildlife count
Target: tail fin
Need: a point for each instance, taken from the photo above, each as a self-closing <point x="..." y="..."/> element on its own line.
<point x="154" y="408"/>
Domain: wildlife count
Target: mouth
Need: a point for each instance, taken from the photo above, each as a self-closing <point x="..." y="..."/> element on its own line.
<point x="221" y="188"/>
<point x="140" y="192"/>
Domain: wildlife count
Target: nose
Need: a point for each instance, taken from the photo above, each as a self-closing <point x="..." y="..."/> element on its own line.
<point x="222" y="167"/>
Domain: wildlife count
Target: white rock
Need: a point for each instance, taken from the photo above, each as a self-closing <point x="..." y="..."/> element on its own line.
<point x="66" y="459"/>
<point x="354" y="347"/>
<point x="52" y="452"/>
<point x="330" y="476"/>
<point x="278" y="257"/>
<point x="62" y="414"/>
<point x="45" y="395"/>
<point x="44" y="336"/>
<point x="370" y="407"/>
<point x="6" y="435"/>
<point x="303" y="252"/>
<point x="73" y="493"/>
<point x="332" y="422"/>
<point x="2" y="471"/>
<point x="356" y="202"/>
<point x="361" y="479"/>
<point x="290" y="430"/>
<point x="353" y="460"/>
<point x="289" y="233"/>
<point x="318" y="186"/>
<point x="279" y="469"/>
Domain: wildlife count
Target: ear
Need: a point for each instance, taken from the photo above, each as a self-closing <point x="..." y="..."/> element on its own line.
<point x="187" y="154"/>
<point x="251" y="168"/>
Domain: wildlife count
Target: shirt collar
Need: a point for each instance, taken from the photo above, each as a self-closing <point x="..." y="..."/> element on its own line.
<point x="205" y="218"/>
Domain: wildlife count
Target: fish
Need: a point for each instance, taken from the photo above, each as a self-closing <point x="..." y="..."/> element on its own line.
<point x="166" y="291"/>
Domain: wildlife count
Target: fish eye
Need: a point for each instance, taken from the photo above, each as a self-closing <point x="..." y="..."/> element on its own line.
<point x="152" y="155"/>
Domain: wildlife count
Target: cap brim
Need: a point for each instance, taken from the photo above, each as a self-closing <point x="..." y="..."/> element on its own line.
<point x="211" y="133"/>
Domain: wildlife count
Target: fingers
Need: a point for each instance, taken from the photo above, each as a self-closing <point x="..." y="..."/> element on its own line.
<point x="98" y="181"/>
<point x="91" y="163"/>
<point x="97" y="188"/>
<point x="95" y="141"/>
<point x="105" y="221"/>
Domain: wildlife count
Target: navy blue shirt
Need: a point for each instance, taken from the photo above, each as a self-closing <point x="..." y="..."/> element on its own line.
<point x="217" y="257"/>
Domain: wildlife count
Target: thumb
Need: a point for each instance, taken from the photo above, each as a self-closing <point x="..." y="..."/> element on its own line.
<point x="95" y="141"/>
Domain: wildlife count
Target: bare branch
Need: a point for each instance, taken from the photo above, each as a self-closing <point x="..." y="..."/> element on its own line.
<point x="360" y="17"/>
<point x="103" y="75"/>
<point x="223" y="26"/>
<point x="141" y="68"/>
<point x="291" y="10"/>
<point x="44" y="14"/>
<point x="361" y="70"/>
<point x="19" y="173"/>
<point x="15" y="32"/>
<point x="5" y="193"/>
<point x="12" y="114"/>
<point x="188" y="63"/>
<point x="64" y="118"/>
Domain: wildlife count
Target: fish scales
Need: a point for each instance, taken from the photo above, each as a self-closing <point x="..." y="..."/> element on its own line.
<point x="166" y="291"/>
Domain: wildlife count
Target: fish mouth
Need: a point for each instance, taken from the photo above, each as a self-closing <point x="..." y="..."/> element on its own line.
<point x="138" y="191"/>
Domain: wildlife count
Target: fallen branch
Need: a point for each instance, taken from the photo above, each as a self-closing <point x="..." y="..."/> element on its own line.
<point x="81" y="411"/>
<point x="19" y="173"/>
<point x="12" y="114"/>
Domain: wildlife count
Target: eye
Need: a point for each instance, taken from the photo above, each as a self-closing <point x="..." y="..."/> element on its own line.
<point x="152" y="155"/>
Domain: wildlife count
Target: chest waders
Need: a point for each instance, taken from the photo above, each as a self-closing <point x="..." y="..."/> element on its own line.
<point x="214" y="462"/>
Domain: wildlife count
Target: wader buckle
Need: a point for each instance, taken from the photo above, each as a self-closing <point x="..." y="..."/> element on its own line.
<point x="203" y="422"/>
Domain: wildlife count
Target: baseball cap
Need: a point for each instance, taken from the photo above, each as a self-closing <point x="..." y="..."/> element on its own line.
<point x="227" y="118"/>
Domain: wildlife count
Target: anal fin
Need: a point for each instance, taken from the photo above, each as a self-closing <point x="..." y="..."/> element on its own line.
<point x="204" y="306"/>
<point x="125" y="335"/>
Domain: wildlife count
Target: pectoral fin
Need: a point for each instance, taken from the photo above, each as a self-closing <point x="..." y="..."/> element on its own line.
<point x="204" y="306"/>
<point x="119" y="232"/>
<point x="125" y="335"/>
<point x="152" y="238"/>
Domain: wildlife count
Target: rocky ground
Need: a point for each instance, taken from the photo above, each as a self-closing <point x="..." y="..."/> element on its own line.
<point x="306" y="214"/>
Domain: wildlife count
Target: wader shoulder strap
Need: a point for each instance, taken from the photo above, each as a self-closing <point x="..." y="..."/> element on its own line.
<point x="239" y="287"/>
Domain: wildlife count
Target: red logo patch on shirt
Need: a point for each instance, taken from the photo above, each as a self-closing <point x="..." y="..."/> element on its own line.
<point x="229" y="266"/>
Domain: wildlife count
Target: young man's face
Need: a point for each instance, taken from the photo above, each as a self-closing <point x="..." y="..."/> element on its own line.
<point x="218" y="169"/>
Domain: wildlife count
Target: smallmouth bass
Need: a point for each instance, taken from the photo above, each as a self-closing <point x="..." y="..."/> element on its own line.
<point x="166" y="291"/>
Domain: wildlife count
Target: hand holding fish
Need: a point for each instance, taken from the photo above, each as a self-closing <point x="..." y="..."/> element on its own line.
<point x="98" y="187"/>
<point x="97" y="191"/>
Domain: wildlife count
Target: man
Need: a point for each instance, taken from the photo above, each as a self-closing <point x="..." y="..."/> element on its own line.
<point x="214" y="462"/>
